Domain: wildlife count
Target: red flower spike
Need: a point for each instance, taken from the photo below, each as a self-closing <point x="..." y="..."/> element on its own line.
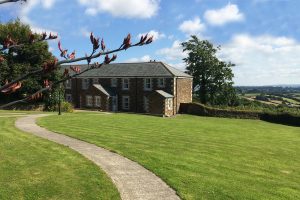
<point x="72" y="55"/>
<point x="107" y="59"/>
<point x="46" y="83"/>
<point x="63" y="52"/>
<point x="127" y="42"/>
<point x="59" y="46"/>
<point x="75" y="69"/>
<point x="31" y="38"/>
<point x="12" y="88"/>
<point x="52" y="37"/>
<point x="96" y="44"/>
<point x="113" y="58"/>
<point x="102" y="45"/>
<point x="66" y="72"/>
<point x="150" y="40"/>
<point x="8" y="42"/>
<point x="143" y="39"/>
<point x="92" y="38"/>
<point x="1" y="59"/>
<point x="44" y="35"/>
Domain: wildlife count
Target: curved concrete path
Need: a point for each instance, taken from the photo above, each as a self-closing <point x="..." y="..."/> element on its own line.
<point x="132" y="180"/>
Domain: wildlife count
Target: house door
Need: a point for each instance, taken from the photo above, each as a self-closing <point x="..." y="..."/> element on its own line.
<point x="114" y="101"/>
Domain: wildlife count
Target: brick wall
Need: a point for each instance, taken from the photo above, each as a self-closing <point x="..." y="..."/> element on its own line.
<point x="183" y="91"/>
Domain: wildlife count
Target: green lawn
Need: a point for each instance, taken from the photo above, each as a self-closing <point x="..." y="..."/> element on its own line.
<point x="201" y="158"/>
<point x="33" y="168"/>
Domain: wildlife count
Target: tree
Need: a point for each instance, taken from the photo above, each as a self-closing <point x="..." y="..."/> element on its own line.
<point x="212" y="77"/>
<point x="23" y="60"/>
<point x="9" y="44"/>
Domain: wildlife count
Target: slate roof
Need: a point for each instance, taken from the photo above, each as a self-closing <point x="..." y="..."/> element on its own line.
<point x="142" y="69"/>
<point x="164" y="94"/>
<point x="107" y="91"/>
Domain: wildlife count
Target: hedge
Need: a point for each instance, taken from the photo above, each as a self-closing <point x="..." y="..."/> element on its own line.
<point x="202" y="110"/>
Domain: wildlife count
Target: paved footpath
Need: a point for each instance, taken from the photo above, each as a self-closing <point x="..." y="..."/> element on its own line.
<point x="132" y="180"/>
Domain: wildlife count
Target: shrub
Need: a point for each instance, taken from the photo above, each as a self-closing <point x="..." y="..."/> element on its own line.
<point x="67" y="107"/>
<point x="275" y="117"/>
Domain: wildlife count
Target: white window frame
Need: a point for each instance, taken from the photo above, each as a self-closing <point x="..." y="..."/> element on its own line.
<point x="68" y="84"/>
<point x="161" y="82"/>
<point x="95" y="80"/>
<point x="125" y="86"/>
<point x="85" y="83"/>
<point x="89" y="100"/>
<point x="114" y="82"/>
<point x="97" y="101"/>
<point x="69" y="98"/>
<point x="124" y="106"/>
<point x="147" y="85"/>
<point x="169" y="103"/>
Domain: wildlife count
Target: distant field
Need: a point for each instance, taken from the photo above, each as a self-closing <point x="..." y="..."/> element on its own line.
<point x="33" y="168"/>
<point x="202" y="158"/>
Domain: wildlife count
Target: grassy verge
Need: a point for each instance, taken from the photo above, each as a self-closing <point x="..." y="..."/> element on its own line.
<point x="33" y="168"/>
<point x="202" y="158"/>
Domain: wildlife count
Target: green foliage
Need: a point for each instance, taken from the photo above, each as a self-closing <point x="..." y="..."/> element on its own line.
<point x="212" y="77"/>
<point x="201" y="157"/>
<point x="67" y="107"/>
<point x="20" y="61"/>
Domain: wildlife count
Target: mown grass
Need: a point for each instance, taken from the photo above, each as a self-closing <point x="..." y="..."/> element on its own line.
<point x="201" y="158"/>
<point x="32" y="168"/>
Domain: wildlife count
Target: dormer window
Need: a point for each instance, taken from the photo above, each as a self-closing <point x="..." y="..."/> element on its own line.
<point x="68" y="84"/>
<point x="85" y="83"/>
<point x="147" y="84"/>
<point x="114" y="82"/>
<point x="95" y="81"/>
<point x="161" y="82"/>
<point x="125" y="83"/>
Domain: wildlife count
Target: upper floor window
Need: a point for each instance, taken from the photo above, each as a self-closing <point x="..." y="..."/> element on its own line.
<point x="125" y="84"/>
<point x="89" y="100"/>
<point x="161" y="82"/>
<point x="68" y="84"/>
<point x="95" y="80"/>
<point x="85" y="83"/>
<point x="114" y="82"/>
<point x="147" y="84"/>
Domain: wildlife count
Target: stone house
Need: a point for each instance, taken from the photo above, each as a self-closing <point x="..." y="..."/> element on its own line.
<point x="149" y="87"/>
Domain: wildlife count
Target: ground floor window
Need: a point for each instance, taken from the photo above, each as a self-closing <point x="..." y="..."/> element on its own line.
<point x="97" y="101"/>
<point x="146" y="104"/>
<point x="69" y="98"/>
<point x="89" y="100"/>
<point x="125" y="102"/>
<point x="169" y="103"/>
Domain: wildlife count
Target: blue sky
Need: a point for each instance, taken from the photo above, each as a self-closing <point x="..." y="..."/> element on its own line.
<point x="262" y="37"/>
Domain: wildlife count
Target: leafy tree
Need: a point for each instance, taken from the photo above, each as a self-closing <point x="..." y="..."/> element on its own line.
<point x="19" y="61"/>
<point x="212" y="77"/>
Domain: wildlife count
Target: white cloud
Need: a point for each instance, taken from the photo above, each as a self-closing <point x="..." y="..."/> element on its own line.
<point x="175" y="52"/>
<point x="156" y="35"/>
<point x="145" y="58"/>
<point x="122" y="8"/>
<point x="28" y="7"/>
<point x="191" y="27"/>
<point x="263" y="59"/>
<point x="227" y="14"/>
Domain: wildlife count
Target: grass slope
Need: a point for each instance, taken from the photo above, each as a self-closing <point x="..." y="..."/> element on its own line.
<point x="202" y="158"/>
<point x="33" y="168"/>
